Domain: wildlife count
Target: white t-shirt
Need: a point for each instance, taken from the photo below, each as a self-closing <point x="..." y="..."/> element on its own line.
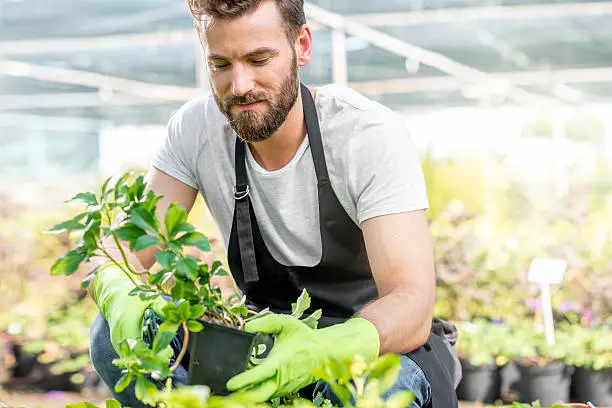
<point x="373" y="168"/>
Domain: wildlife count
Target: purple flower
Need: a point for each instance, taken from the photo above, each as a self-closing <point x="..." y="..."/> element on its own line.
<point x="533" y="304"/>
<point x="55" y="395"/>
<point x="588" y="314"/>
<point x="497" y="322"/>
<point x="567" y="306"/>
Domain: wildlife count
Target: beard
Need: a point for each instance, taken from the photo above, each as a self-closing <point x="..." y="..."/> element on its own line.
<point x="253" y="126"/>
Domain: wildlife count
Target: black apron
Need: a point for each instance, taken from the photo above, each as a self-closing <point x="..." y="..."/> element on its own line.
<point x="341" y="284"/>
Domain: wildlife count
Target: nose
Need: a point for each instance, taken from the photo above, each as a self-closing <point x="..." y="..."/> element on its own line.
<point x="242" y="82"/>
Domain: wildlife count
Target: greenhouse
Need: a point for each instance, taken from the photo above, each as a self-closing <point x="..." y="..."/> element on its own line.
<point x="508" y="104"/>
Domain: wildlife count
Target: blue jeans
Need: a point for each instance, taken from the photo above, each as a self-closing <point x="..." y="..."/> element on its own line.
<point x="102" y="353"/>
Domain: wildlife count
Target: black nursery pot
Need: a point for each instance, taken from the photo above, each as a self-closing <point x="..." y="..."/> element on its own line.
<point x="479" y="383"/>
<point x="549" y="383"/>
<point x="592" y="385"/>
<point x="217" y="353"/>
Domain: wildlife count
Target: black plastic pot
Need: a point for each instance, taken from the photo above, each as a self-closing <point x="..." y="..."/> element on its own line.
<point x="549" y="383"/>
<point x="479" y="383"/>
<point x="592" y="385"/>
<point x="217" y="353"/>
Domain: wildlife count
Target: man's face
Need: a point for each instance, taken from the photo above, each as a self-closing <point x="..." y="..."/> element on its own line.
<point x="253" y="71"/>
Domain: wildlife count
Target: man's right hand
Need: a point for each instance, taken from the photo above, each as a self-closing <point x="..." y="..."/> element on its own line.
<point x="124" y="313"/>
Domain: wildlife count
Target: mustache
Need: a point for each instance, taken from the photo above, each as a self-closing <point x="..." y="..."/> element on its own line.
<point x="243" y="99"/>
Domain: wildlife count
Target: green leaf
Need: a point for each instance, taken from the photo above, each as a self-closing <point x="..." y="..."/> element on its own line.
<point x="194" y="326"/>
<point x="173" y="246"/>
<point x="343" y="394"/>
<point x="194" y="239"/>
<point x="146" y="391"/>
<point x="187" y="268"/>
<point x="197" y="311"/>
<point x="178" y="289"/>
<point x="87" y="280"/>
<point x="148" y="295"/>
<point x="302" y="304"/>
<point x="386" y="369"/>
<point x="120" y="187"/>
<point x="137" y="188"/>
<point x="82" y="405"/>
<point x="113" y="404"/>
<point x="144" y="219"/>
<point x="169" y="326"/>
<point x="162" y="340"/>
<point x="91" y="234"/>
<point x="221" y="272"/>
<point x="184" y="310"/>
<point x="165" y="258"/>
<point x="175" y="216"/>
<point x="312" y="321"/>
<point x="216" y="265"/>
<point x="129" y="232"/>
<point x="69" y="263"/>
<point x="240" y="309"/>
<point x="160" y="278"/>
<point x="104" y="188"/>
<point x="151" y="202"/>
<point x="123" y="382"/>
<point x="400" y="399"/>
<point x="318" y="400"/>
<point x="124" y="348"/>
<point x="144" y="242"/>
<point x="70" y="225"/>
<point x="88" y="198"/>
<point x="183" y="227"/>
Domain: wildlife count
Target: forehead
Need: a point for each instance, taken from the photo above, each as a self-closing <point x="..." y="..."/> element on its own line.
<point x="262" y="27"/>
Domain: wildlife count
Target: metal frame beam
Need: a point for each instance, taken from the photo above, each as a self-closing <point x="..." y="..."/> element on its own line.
<point x="381" y="87"/>
<point x="106" y="42"/>
<point x="156" y="92"/>
<point x="404" y="49"/>
<point x="460" y="15"/>
<point x="453" y="15"/>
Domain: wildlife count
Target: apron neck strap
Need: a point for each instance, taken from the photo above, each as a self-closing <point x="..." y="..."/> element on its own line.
<point x="314" y="135"/>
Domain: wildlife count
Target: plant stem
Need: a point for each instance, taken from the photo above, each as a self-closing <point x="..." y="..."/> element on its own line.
<point x="183" y="349"/>
<point x="128" y="273"/>
<point x="123" y="256"/>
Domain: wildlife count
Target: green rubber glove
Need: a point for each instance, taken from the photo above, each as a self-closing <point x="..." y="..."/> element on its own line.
<point x="298" y="350"/>
<point x="124" y="313"/>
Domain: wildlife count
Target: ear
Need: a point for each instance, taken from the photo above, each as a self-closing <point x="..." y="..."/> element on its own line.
<point x="303" y="46"/>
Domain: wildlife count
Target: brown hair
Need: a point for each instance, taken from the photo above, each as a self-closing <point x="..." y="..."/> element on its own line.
<point x="292" y="11"/>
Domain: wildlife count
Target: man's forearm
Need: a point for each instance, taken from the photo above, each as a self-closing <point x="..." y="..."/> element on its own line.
<point x="402" y="318"/>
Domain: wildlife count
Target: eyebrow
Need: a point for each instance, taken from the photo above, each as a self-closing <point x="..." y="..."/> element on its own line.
<point x="256" y="53"/>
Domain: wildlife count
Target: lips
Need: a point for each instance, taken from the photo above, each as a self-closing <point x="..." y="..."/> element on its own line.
<point x="245" y="105"/>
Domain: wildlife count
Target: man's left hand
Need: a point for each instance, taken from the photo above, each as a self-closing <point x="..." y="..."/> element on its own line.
<point x="298" y="350"/>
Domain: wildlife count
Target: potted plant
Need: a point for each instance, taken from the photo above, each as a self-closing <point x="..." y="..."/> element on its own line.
<point x="213" y="326"/>
<point x="481" y="351"/>
<point x="543" y="374"/>
<point x="591" y="355"/>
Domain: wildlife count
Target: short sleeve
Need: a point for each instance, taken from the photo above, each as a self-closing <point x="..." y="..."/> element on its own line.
<point x="177" y="155"/>
<point x="385" y="173"/>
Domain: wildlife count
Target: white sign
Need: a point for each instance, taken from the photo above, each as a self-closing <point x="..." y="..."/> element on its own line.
<point x="543" y="270"/>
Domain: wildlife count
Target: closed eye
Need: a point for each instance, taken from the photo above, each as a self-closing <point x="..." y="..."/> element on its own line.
<point x="260" y="61"/>
<point x="220" y="65"/>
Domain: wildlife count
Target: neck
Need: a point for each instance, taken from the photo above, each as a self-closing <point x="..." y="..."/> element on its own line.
<point x="275" y="152"/>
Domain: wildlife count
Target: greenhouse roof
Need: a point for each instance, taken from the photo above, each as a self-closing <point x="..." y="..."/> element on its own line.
<point x="72" y="59"/>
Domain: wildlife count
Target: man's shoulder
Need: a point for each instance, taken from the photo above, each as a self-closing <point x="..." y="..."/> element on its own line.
<point x="344" y="105"/>
<point x="347" y="115"/>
